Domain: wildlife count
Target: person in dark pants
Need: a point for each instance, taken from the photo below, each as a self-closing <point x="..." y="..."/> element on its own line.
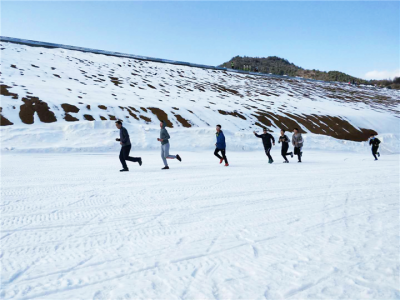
<point x="297" y="142"/>
<point x="266" y="139"/>
<point x="374" y="142"/>
<point x="125" y="147"/>
<point x="285" y="145"/>
<point x="220" y="146"/>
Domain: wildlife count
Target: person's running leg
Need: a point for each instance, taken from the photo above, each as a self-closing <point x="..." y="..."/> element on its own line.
<point x="267" y="150"/>
<point x="122" y="157"/>
<point x="283" y="152"/>
<point x="216" y="153"/>
<point x="127" y="157"/>
<point x="300" y="154"/>
<point x="166" y="152"/>
<point x="163" y="155"/>
<point x="224" y="156"/>
<point x="374" y="152"/>
<point x="297" y="152"/>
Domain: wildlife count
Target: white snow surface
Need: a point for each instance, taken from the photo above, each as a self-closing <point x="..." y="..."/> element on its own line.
<point x="73" y="227"/>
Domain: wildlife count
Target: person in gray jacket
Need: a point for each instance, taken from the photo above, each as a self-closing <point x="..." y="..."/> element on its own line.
<point x="164" y="137"/>
<point x="297" y="141"/>
<point x="125" y="147"/>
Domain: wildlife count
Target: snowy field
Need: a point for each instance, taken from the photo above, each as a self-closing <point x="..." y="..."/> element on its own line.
<point x="73" y="227"/>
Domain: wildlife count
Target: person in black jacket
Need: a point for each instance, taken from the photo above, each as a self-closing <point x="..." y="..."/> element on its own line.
<point x="266" y="138"/>
<point x="374" y="142"/>
<point x="285" y="145"/>
<point x="125" y="147"/>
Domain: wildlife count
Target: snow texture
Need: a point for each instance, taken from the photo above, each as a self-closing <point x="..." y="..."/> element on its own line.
<point x="73" y="227"/>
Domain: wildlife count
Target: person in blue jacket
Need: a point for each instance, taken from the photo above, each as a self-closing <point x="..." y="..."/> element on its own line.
<point x="220" y="146"/>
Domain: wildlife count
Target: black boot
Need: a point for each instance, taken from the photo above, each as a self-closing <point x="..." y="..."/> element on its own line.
<point x="124" y="170"/>
<point x="165" y="168"/>
<point x="140" y="162"/>
<point x="178" y="157"/>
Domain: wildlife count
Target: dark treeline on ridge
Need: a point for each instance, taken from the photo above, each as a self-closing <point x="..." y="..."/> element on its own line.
<point x="280" y="66"/>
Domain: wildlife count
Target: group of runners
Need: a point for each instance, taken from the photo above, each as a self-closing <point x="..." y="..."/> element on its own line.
<point x="220" y="146"/>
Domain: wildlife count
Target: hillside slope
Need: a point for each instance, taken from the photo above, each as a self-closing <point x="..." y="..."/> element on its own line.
<point x="40" y="85"/>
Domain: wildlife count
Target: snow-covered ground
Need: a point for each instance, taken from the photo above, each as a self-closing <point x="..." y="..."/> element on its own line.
<point x="73" y="227"/>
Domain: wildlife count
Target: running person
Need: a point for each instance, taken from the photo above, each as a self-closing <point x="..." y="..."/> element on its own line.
<point x="266" y="139"/>
<point x="285" y="145"/>
<point x="297" y="142"/>
<point x="164" y="137"/>
<point x="220" y="146"/>
<point x="374" y="142"/>
<point x="125" y="147"/>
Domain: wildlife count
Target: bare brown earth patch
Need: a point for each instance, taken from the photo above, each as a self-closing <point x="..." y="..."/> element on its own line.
<point x="281" y="122"/>
<point x="132" y="114"/>
<point x="5" y="92"/>
<point x="103" y="107"/>
<point x="131" y="107"/>
<point x="112" y="118"/>
<point x="32" y="105"/>
<point x="69" y="108"/>
<point x="70" y="118"/>
<point x="263" y="126"/>
<point x="4" y="121"/>
<point x="103" y="118"/>
<point x="88" y="117"/>
<point x="142" y="108"/>
<point x="115" y="80"/>
<point x="161" y="115"/>
<point x="235" y="114"/>
<point x="183" y="121"/>
<point x="225" y="89"/>
<point x="150" y="86"/>
<point x="333" y="126"/>
<point x="148" y="120"/>
<point x="14" y="66"/>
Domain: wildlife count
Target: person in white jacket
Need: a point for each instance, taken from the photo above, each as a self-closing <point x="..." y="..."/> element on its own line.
<point x="297" y="142"/>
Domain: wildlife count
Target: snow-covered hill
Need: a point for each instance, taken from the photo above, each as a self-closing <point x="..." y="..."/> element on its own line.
<point x="41" y="86"/>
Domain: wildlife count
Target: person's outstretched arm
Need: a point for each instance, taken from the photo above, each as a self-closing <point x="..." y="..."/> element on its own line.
<point x="273" y="140"/>
<point x="257" y="135"/>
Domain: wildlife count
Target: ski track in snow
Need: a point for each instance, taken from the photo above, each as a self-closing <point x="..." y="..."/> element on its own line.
<point x="73" y="227"/>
